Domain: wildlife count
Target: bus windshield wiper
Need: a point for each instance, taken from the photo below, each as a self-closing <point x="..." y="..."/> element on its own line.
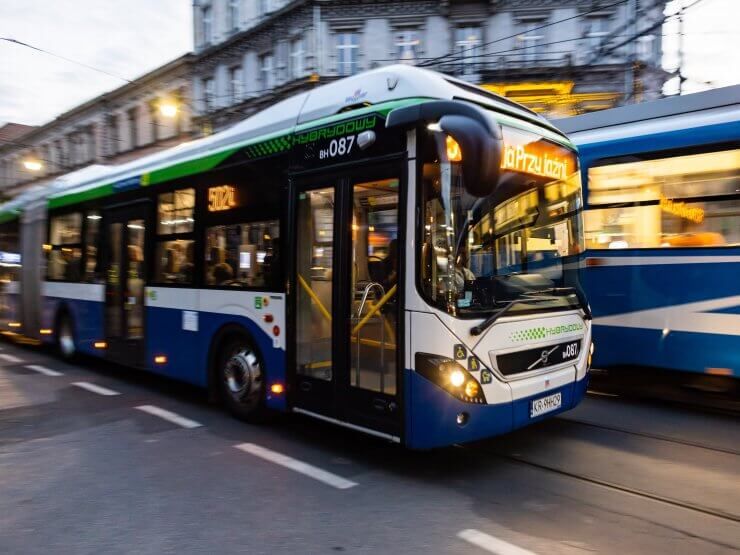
<point x="564" y="292"/>
<point x="488" y="322"/>
<point x="545" y="295"/>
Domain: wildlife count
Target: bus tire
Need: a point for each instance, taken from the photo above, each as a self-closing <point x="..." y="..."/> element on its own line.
<point x="240" y="378"/>
<point x="66" y="342"/>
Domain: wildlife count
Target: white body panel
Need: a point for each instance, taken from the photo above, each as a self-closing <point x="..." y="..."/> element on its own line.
<point x="74" y="291"/>
<point x="236" y="303"/>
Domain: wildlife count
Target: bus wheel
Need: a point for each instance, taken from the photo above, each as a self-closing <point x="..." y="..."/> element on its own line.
<point x="241" y="380"/>
<point x="66" y="338"/>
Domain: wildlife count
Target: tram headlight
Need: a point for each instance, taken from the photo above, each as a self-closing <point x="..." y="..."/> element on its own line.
<point x="450" y="376"/>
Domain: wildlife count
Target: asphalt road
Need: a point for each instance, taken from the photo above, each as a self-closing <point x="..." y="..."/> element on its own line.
<point x="145" y="465"/>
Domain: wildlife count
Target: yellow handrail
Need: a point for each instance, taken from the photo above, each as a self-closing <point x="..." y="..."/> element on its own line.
<point x="314" y="297"/>
<point x="373" y="310"/>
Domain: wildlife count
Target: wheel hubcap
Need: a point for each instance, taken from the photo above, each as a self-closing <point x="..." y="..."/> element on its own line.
<point x="243" y="377"/>
<point x="66" y="340"/>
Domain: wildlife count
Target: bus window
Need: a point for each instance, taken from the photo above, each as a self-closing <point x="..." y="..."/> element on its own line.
<point x="92" y="234"/>
<point x="174" y="256"/>
<point x="243" y="255"/>
<point x="65" y="248"/>
<point x="665" y="202"/>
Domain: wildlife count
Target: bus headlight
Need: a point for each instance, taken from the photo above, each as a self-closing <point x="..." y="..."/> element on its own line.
<point x="450" y="376"/>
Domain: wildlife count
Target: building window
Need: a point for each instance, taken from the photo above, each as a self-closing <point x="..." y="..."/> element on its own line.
<point x="233" y="14"/>
<point x="209" y="93"/>
<point x="132" y="128"/>
<point x="207" y="24"/>
<point x="296" y="62"/>
<point x="267" y="71"/>
<point x="347" y="53"/>
<point x="236" y="84"/>
<point x="531" y="42"/>
<point x="407" y="46"/>
<point x="466" y="41"/>
<point x="597" y="27"/>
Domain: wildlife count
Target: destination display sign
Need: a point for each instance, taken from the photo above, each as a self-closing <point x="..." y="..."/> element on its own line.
<point x="526" y="152"/>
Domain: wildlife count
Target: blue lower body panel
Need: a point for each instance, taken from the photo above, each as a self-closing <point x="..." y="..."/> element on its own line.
<point x="431" y="413"/>
<point x="87" y="318"/>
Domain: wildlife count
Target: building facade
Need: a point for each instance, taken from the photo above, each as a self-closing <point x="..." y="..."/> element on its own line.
<point x="148" y="114"/>
<point x="559" y="57"/>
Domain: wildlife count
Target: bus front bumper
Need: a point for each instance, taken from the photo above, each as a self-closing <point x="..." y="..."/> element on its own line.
<point x="432" y="413"/>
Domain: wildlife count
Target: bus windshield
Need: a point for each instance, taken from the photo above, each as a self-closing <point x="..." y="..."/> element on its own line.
<point x="481" y="253"/>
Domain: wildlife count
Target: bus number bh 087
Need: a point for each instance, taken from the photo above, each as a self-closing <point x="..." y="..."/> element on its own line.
<point x="337" y="147"/>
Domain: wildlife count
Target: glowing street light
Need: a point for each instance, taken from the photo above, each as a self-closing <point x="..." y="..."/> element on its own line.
<point x="168" y="109"/>
<point x="32" y="165"/>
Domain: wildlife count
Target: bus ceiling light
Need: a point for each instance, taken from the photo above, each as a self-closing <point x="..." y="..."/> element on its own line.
<point x="45" y="331"/>
<point x="454" y="153"/>
<point x="14" y="324"/>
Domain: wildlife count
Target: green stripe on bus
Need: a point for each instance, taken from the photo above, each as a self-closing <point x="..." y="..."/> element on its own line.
<point x="82" y="196"/>
<point x="184" y="169"/>
<point x="8" y="216"/>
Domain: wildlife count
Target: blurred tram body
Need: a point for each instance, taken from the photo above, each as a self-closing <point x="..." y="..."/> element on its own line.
<point x="662" y="228"/>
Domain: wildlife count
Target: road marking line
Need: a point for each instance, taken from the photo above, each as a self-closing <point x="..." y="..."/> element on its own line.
<point x="296" y="465"/>
<point x="10" y="358"/>
<point x="96" y="388"/>
<point x="491" y="544"/>
<point x="43" y="370"/>
<point x="170" y="416"/>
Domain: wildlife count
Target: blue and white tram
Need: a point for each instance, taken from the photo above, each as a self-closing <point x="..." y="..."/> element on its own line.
<point x="662" y="227"/>
<point x="390" y="252"/>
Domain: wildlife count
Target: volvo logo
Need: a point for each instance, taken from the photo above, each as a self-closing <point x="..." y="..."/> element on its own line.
<point x="544" y="356"/>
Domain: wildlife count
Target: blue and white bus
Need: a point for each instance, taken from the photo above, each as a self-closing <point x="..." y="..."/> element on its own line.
<point x="392" y="252"/>
<point x="662" y="227"/>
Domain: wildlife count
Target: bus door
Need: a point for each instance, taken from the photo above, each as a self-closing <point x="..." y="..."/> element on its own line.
<point x="125" y="271"/>
<point x="346" y="311"/>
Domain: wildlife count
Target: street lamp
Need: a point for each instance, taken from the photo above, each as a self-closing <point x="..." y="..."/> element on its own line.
<point x="32" y="164"/>
<point x="168" y="109"/>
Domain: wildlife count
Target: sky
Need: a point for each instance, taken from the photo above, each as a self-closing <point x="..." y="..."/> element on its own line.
<point x="131" y="37"/>
<point x="127" y="38"/>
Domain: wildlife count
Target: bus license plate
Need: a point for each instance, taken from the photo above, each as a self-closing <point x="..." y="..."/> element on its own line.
<point x="546" y="404"/>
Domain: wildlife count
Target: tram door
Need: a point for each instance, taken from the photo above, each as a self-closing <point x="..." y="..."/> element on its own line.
<point x="346" y="311"/>
<point x="125" y="274"/>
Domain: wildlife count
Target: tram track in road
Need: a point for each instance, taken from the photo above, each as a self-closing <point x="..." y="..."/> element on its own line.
<point x="613" y="486"/>
<point x="657" y="437"/>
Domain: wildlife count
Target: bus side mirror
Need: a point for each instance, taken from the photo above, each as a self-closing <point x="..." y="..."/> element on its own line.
<point x="480" y="149"/>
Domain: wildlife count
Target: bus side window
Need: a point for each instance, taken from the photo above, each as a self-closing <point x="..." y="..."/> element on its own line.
<point x="92" y="247"/>
<point x="175" y="244"/>
<point x="64" y="253"/>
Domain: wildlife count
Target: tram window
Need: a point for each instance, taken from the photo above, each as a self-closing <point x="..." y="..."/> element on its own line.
<point x="665" y="202"/>
<point x="175" y="211"/>
<point x="92" y="235"/>
<point x="243" y="255"/>
<point x="64" y="254"/>
<point x="174" y="261"/>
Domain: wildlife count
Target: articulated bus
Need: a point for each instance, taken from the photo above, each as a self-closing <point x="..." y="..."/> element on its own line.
<point x="395" y="252"/>
<point x="662" y="230"/>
